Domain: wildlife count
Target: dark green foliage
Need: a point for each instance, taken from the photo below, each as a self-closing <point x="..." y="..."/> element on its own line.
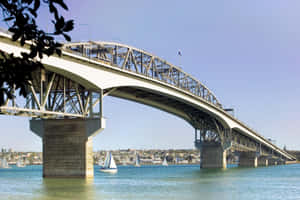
<point x="15" y="73"/>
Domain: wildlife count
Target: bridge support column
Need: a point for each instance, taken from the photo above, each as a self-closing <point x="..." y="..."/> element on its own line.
<point x="213" y="156"/>
<point x="281" y="162"/>
<point x="272" y="161"/>
<point x="248" y="159"/>
<point x="262" y="161"/>
<point x="67" y="146"/>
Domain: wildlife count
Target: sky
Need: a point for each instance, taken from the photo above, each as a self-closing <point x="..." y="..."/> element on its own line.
<point x="246" y="52"/>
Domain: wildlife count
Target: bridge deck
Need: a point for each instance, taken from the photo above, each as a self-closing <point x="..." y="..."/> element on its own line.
<point x="132" y="61"/>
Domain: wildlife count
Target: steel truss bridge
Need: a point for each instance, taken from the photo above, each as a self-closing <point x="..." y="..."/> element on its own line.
<point x="72" y="86"/>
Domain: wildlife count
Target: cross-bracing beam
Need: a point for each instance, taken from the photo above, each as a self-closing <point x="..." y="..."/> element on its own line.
<point x="143" y="63"/>
<point x="208" y="131"/>
<point x="51" y="95"/>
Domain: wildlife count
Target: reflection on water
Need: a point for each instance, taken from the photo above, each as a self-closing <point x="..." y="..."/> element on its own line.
<point x="156" y="182"/>
<point x="65" y="189"/>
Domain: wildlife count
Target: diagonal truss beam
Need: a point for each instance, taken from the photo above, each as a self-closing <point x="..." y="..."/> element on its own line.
<point x="141" y="62"/>
<point x="54" y="96"/>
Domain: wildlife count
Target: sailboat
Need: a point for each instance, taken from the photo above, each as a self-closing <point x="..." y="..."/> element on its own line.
<point x="4" y="163"/>
<point x="20" y="163"/>
<point x="109" y="164"/>
<point x="137" y="160"/>
<point x="165" y="163"/>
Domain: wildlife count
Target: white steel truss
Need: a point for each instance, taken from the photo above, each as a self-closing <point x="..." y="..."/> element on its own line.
<point x="54" y="96"/>
<point x="143" y="63"/>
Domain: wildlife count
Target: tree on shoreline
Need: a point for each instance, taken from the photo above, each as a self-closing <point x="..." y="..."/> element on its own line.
<point x="20" y="16"/>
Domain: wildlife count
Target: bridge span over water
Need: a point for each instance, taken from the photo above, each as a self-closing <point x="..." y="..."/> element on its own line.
<point x="65" y="104"/>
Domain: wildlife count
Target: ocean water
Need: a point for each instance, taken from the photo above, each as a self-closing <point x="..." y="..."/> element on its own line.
<point x="156" y="182"/>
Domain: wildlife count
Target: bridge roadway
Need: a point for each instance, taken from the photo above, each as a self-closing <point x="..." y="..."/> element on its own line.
<point x="64" y="98"/>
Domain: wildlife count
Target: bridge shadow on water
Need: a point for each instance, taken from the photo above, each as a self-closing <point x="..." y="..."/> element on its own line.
<point x="65" y="189"/>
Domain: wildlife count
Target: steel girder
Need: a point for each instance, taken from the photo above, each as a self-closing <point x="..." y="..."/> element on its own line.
<point x="54" y="96"/>
<point x="208" y="130"/>
<point x="141" y="62"/>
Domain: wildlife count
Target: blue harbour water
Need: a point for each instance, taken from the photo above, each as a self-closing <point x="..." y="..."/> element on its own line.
<point x="156" y="182"/>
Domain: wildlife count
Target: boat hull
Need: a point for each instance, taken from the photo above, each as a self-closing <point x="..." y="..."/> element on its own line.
<point x="109" y="170"/>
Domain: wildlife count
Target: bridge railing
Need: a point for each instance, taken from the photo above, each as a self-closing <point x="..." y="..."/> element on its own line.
<point x="143" y="63"/>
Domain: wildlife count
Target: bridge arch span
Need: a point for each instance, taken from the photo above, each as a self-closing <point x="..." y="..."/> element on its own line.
<point x="118" y="83"/>
<point x="94" y="75"/>
<point x="123" y="82"/>
<point x="163" y="101"/>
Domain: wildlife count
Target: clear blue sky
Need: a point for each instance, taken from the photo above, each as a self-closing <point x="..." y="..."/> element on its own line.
<point x="246" y="52"/>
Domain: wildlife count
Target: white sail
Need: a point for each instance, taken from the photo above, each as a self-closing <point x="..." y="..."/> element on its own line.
<point x="4" y="163"/>
<point x="109" y="164"/>
<point x="20" y="163"/>
<point x="165" y="163"/>
<point x="106" y="162"/>
<point x="112" y="162"/>
<point x="137" y="160"/>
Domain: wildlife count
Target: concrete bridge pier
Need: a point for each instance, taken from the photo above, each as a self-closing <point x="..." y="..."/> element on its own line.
<point x="262" y="161"/>
<point x="281" y="162"/>
<point x="272" y="161"/>
<point x="213" y="156"/>
<point x="67" y="145"/>
<point x="248" y="159"/>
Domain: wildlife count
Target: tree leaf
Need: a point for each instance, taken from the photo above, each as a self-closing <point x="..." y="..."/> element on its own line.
<point x="68" y="38"/>
<point x="69" y="25"/>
